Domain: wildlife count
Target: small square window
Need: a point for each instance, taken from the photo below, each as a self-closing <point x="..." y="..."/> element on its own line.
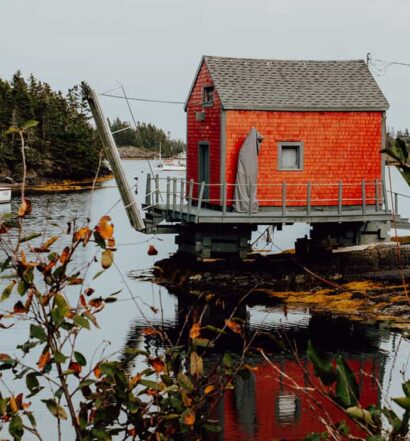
<point x="290" y="156"/>
<point x="208" y="97"/>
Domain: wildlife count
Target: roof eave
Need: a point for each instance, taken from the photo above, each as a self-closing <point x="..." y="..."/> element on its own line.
<point x="308" y="109"/>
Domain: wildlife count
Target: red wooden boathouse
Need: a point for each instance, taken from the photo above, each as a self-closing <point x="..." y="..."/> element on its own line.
<point x="323" y="122"/>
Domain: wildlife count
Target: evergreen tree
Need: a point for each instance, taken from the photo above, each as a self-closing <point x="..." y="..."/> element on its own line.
<point x="63" y="145"/>
<point x="146" y="136"/>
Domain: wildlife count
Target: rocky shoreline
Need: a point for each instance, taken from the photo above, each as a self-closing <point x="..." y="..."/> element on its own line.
<point x="136" y="153"/>
<point x="52" y="186"/>
<point x="369" y="284"/>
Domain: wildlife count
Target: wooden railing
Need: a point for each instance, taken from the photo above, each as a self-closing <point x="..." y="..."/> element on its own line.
<point x="177" y="194"/>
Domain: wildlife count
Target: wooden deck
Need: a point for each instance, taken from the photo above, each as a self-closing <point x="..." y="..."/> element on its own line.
<point x="203" y="215"/>
<point x="173" y="201"/>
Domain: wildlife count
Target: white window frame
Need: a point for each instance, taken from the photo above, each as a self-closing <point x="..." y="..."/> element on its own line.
<point x="300" y="146"/>
<point x="210" y="102"/>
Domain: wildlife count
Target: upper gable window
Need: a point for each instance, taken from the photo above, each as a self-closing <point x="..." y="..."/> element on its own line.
<point x="208" y="96"/>
<point x="290" y="156"/>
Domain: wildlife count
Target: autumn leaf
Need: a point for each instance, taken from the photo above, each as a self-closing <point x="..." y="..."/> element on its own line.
<point x="75" y="368"/>
<point x="105" y="227"/>
<point x="188" y="417"/>
<point x="83" y="234"/>
<point x="19" y="308"/>
<point x="149" y="331"/>
<point x="65" y="255"/>
<point x="13" y="405"/>
<point x="89" y="291"/>
<point x="251" y="368"/>
<point x="45" y="247"/>
<point x="107" y="258"/>
<point x="4" y="357"/>
<point x="25" y="208"/>
<point x="19" y="401"/>
<point x="233" y="326"/>
<point x="186" y="400"/>
<point x="97" y="371"/>
<point x="49" y="267"/>
<point x="152" y="251"/>
<point x="195" y="331"/>
<point x="196" y="364"/>
<point x="157" y="364"/>
<point x="44" y="360"/>
<point x="29" y="299"/>
<point x="83" y="303"/>
<point x="23" y="261"/>
<point x="210" y="388"/>
<point x="96" y="303"/>
<point x="76" y="281"/>
<point x="134" y="381"/>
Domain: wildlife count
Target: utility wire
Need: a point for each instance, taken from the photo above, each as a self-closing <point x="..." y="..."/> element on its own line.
<point x="379" y="67"/>
<point x="145" y="100"/>
<point x="134" y="121"/>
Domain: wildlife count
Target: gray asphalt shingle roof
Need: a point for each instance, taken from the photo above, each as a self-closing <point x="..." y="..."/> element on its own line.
<point x="295" y="84"/>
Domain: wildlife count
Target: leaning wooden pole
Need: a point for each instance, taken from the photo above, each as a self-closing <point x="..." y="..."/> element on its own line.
<point x="113" y="157"/>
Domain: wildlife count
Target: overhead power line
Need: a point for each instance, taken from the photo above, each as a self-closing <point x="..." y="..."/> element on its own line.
<point x="146" y="100"/>
<point x="379" y="67"/>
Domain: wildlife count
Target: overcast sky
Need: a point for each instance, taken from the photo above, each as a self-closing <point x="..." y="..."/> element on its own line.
<point x="154" y="46"/>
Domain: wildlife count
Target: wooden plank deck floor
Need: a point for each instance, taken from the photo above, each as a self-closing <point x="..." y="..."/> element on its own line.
<point x="205" y="215"/>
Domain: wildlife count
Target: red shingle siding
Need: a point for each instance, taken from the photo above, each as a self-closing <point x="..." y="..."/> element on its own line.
<point x="208" y="130"/>
<point x="338" y="146"/>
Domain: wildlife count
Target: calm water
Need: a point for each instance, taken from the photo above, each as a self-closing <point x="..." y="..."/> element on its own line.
<point x="263" y="406"/>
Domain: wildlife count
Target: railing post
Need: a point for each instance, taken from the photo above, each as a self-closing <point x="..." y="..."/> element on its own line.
<point x="363" y="196"/>
<point x="283" y="198"/>
<point x="340" y="198"/>
<point x="168" y="191"/>
<point x="396" y="203"/>
<point x="156" y="189"/>
<point x="309" y="197"/>
<point x="148" y="191"/>
<point x="201" y="195"/>
<point x="181" y="197"/>
<point x="250" y="198"/>
<point x="376" y="194"/>
<point x="190" y="192"/>
<point x="386" y="205"/>
<point x="224" y="198"/>
<point x="174" y="196"/>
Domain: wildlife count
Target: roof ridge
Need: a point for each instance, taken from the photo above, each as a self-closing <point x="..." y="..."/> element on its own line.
<point x="285" y="59"/>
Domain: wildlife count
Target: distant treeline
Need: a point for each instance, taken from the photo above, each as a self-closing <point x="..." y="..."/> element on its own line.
<point x="63" y="145"/>
<point x="146" y="136"/>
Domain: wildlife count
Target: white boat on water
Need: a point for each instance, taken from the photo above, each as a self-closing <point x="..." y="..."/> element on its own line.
<point x="5" y="195"/>
<point x="176" y="164"/>
<point x="171" y="165"/>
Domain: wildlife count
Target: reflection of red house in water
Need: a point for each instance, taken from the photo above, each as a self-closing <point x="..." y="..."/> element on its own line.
<point x="266" y="407"/>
